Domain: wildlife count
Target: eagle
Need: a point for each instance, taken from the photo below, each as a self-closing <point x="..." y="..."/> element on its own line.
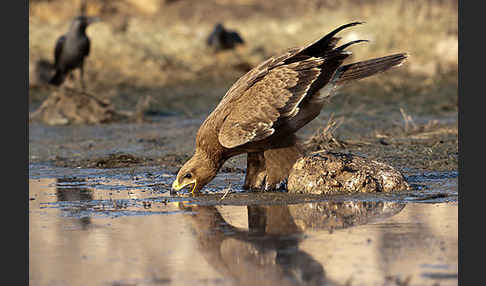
<point x="263" y="109"/>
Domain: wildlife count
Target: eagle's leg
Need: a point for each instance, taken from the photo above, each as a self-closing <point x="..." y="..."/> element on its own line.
<point x="255" y="171"/>
<point x="278" y="163"/>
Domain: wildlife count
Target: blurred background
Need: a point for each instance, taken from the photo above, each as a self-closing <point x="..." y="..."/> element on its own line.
<point x="158" y="48"/>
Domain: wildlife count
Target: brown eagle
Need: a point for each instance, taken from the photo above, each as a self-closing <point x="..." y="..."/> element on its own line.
<point x="261" y="112"/>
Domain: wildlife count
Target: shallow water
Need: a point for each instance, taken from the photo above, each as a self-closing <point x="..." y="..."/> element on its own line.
<point x="122" y="227"/>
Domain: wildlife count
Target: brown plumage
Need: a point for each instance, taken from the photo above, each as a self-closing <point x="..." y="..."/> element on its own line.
<point x="261" y="112"/>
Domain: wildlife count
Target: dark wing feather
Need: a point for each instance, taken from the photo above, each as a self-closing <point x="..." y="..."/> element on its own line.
<point x="323" y="45"/>
<point x="58" y="49"/>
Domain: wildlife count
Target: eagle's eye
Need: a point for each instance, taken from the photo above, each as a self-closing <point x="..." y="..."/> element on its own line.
<point x="187" y="176"/>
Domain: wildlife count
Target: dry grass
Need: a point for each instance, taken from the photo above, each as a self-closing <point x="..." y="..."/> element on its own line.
<point x="325" y="138"/>
<point x="156" y="52"/>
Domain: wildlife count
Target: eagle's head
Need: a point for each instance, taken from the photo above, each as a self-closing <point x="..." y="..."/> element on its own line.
<point x="195" y="173"/>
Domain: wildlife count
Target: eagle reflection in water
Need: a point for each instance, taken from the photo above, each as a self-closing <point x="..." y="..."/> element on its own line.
<point x="267" y="253"/>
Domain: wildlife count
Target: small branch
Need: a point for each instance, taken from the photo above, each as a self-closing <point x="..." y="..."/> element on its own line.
<point x="228" y="190"/>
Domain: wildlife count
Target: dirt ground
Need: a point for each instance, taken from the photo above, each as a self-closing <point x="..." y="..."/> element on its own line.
<point x="406" y="117"/>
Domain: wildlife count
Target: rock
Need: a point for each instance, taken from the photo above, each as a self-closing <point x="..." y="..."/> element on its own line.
<point x="327" y="172"/>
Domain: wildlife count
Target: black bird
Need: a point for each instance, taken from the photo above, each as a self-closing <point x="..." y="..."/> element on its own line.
<point x="222" y="39"/>
<point x="71" y="49"/>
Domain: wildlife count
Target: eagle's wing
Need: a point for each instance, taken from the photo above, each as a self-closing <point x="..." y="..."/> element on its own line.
<point x="274" y="89"/>
<point x="275" y="96"/>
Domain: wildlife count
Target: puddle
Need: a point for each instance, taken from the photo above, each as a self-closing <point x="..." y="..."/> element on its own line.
<point x="121" y="227"/>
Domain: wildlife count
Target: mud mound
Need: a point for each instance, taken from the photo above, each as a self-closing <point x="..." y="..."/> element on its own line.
<point x="327" y="172"/>
<point x="69" y="106"/>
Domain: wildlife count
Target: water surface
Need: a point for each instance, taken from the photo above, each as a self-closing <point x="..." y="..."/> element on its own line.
<point x="99" y="227"/>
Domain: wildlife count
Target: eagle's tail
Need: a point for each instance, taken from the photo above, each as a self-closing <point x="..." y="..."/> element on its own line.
<point x="58" y="78"/>
<point x="367" y="68"/>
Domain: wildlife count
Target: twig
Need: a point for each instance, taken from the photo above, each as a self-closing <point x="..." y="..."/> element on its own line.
<point x="407" y="119"/>
<point x="226" y="193"/>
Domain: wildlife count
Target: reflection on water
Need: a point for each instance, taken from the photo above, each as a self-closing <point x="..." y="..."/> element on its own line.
<point x="70" y="189"/>
<point x="268" y="251"/>
<point x="178" y="242"/>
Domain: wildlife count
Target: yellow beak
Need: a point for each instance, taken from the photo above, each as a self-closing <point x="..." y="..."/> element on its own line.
<point x="177" y="187"/>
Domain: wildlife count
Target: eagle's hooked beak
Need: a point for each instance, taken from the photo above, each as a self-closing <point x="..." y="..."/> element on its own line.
<point x="176" y="187"/>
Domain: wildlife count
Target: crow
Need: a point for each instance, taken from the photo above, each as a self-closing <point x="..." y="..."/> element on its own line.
<point x="222" y="39"/>
<point x="71" y="50"/>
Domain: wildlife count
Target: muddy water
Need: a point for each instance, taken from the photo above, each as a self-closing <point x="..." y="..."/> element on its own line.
<point x="122" y="227"/>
